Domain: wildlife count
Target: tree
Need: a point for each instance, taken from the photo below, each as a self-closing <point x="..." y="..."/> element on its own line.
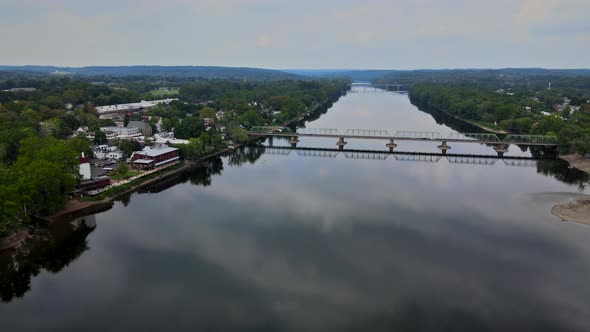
<point x="207" y="112"/>
<point x="168" y="124"/>
<point x="189" y="128"/>
<point x="100" y="137"/>
<point x="237" y="134"/>
<point x="128" y="146"/>
<point x="567" y="111"/>
<point x="122" y="170"/>
<point x="251" y="118"/>
<point x="45" y="172"/>
<point x="205" y="138"/>
<point x="80" y="144"/>
<point x="126" y="120"/>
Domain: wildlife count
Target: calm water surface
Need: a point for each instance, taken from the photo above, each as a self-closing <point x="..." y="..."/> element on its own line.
<point x="270" y="241"/>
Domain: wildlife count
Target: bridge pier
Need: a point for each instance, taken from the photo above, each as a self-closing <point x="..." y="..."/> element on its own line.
<point x="501" y="149"/>
<point x="341" y="143"/>
<point x="444" y="147"/>
<point x="293" y="141"/>
<point x="391" y="145"/>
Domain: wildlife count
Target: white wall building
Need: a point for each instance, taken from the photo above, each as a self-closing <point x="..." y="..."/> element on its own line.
<point x="114" y="111"/>
<point x="121" y="132"/>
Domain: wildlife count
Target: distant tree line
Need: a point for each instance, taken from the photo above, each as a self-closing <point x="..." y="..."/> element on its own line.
<point x="521" y="111"/>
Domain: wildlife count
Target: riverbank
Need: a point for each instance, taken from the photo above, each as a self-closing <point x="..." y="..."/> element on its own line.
<point x="578" y="211"/>
<point x="577" y="161"/>
<point x="77" y="208"/>
<point x="488" y="129"/>
<point x="15" y="240"/>
<point x="428" y="108"/>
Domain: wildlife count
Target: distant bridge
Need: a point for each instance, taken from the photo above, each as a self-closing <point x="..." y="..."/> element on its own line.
<point x="377" y="87"/>
<point x="467" y="159"/>
<point x="501" y="146"/>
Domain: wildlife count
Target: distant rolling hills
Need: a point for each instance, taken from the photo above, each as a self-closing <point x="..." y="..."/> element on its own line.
<point x="161" y="71"/>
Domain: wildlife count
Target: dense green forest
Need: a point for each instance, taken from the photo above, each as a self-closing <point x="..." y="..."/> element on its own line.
<point x="516" y="112"/>
<point x="39" y="156"/>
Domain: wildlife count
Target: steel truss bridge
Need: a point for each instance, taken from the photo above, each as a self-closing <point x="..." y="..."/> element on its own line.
<point x="500" y="145"/>
<point x="466" y="159"/>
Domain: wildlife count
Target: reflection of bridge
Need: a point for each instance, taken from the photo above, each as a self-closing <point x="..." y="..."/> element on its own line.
<point x="467" y="159"/>
<point x="501" y="146"/>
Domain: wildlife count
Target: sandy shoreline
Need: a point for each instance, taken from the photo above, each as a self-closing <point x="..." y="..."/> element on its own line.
<point x="577" y="161"/>
<point x="576" y="211"/>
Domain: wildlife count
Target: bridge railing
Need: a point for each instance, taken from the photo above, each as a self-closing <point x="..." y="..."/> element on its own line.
<point x="418" y="157"/>
<point x="472" y="160"/>
<point x="520" y="162"/>
<point x="418" y="134"/>
<point x="276" y="151"/>
<point x="318" y="131"/>
<point x="530" y="139"/>
<point x="484" y="137"/>
<point x="316" y="153"/>
<point x="366" y="132"/>
<point x="270" y="130"/>
<point x="365" y="155"/>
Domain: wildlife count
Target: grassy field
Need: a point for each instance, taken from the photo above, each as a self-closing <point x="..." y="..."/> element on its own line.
<point x="164" y="91"/>
<point x="123" y="177"/>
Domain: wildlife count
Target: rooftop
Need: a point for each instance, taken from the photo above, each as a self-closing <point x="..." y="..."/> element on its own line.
<point x="153" y="152"/>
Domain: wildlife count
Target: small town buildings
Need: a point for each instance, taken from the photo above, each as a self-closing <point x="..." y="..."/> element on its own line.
<point x="144" y="127"/>
<point x="153" y="157"/>
<point x="108" y="152"/>
<point x="114" y="133"/>
<point x="91" y="177"/>
<point x="20" y="90"/>
<point x="209" y="121"/>
<point x="168" y="138"/>
<point x="119" y="110"/>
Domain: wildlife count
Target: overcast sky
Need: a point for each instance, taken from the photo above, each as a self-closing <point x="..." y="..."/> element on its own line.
<point x="364" y="34"/>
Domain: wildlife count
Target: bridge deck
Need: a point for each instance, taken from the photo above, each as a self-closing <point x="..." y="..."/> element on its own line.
<point x="403" y="138"/>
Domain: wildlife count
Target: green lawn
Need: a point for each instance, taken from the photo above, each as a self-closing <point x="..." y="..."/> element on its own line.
<point x="127" y="175"/>
<point x="163" y="92"/>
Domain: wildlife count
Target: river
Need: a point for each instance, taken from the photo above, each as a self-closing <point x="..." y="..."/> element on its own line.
<point x="280" y="240"/>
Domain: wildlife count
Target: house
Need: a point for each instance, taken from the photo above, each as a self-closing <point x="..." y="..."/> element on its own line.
<point x="209" y="121"/>
<point x="168" y="138"/>
<point x="149" y="158"/>
<point x="114" y="133"/>
<point x="108" y="152"/>
<point x="144" y="127"/>
<point x="119" y="110"/>
<point x="91" y="177"/>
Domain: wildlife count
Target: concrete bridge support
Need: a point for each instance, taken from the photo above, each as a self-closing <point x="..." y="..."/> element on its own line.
<point x="391" y="145"/>
<point x="293" y="141"/>
<point x="444" y="147"/>
<point x="501" y="149"/>
<point x="341" y="143"/>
